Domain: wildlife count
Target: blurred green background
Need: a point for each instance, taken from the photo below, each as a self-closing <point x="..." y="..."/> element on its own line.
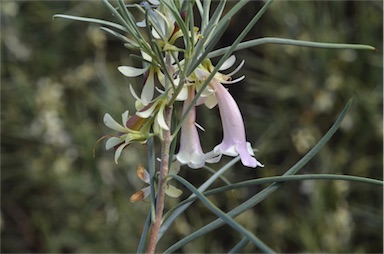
<point x="58" y="79"/>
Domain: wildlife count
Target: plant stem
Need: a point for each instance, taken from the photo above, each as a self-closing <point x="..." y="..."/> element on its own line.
<point x="165" y="147"/>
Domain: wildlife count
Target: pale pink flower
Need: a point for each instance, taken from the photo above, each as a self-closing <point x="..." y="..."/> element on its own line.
<point x="190" y="151"/>
<point x="234" y="142"/>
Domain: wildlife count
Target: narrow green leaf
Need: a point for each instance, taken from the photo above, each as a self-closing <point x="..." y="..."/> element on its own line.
<point x="190" y="20"/>
<point x="120" y="37"/>
<point x="226" y="218"/>
<point x="172" y="149"/>
<point x="213" y="21"/>
<point x="127" y="17"/>
<point x="291" y="178"/>
<point x="212" y="171"/>
<point x="92" y="20"/>
<point x="200" y="8"/>
<point x="152" y="173"/>
<point x="141" y="59"/>
<point x="287" y="178"/>
<point x="143" y="237"/>
<point x="176" y="211"/>
<point x="217" y="23"/>
<point x="290" y="42"/>
<point x="117" y="15"/>
<point x="181" y="7"/>
<point x="239" y="246"/>
<point x="205" y="14"/>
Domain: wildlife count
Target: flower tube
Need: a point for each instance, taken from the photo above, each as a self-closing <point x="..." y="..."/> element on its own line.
<point x="190" y="149"/>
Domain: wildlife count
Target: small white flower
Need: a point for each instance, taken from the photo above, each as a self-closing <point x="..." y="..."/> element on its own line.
<point x="155" y="109"/>
<point x="151" y="72"/>
<point x="139" y="132"/>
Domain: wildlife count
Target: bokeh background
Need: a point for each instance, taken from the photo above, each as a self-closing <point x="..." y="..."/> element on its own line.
<point x="59" y="77"/>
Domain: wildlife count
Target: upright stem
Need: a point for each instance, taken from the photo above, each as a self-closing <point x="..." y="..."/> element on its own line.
<point x="161" y="191"/>
<point x="165" y="146"/>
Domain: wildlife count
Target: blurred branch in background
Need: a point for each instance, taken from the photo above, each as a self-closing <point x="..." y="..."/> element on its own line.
<point x="56" y="197"/>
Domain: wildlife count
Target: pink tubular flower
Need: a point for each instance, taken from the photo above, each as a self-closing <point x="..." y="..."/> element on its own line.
<point x="190" y="149"/>
<point x="234" y="142"/>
